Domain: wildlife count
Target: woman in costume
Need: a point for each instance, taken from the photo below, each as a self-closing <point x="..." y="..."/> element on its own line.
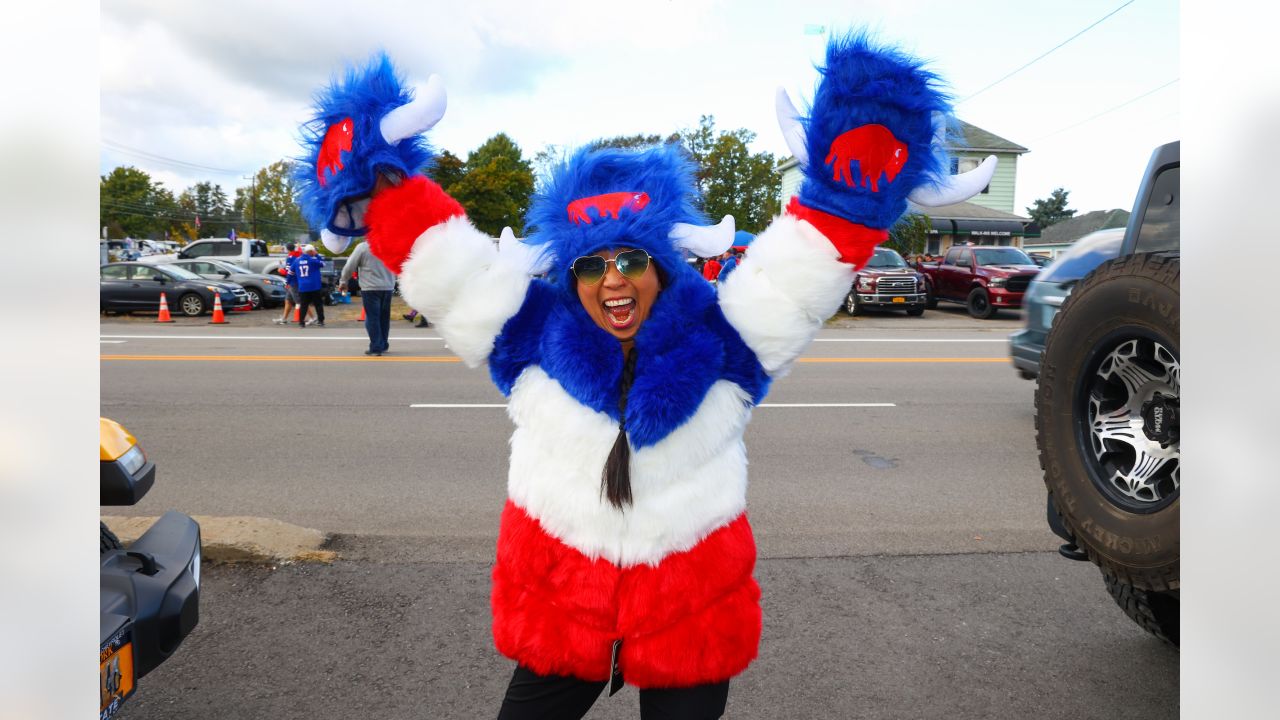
<point x="624" y="553"/>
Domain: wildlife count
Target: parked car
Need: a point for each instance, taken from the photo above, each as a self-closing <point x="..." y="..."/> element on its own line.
<point x="983" y="278"/>
<point x="1040" y="260"/>
<point x="886" y="282"/>
<point x="1050" y="288"/>
<point x="1108" y="410"/>
<point x="245" y="252"/>
<point x="149" y="593"/>
<point x="263" y="290"/>
<point x="125" y="287"/>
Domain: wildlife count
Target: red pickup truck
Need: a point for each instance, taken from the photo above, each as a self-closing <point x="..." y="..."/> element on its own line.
<point x="983" y="278"/>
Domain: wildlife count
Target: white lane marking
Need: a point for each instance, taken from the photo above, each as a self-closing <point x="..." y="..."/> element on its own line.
<point x="915" y="340"/>
<point x="458" y="405"/>
<point x="765" y="405"/>
<point x="363" y="338"/>
<point x="111" y="342"/>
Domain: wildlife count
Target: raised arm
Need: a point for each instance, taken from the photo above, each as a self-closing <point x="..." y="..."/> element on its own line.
<point x="873" y="139"/>
<point x="363" y="176"/>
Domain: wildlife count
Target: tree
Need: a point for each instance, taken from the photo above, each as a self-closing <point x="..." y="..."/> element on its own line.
<point x="733" y="180"/>
<point x="126" y="202"/>
<point x="495" y="186"/>
<point x="1051" y="209"/>
<point x="448" y="170"/>
<point x="266" y="208"/>
<point x="910" y="235"/>
<point x="210" y="203"/>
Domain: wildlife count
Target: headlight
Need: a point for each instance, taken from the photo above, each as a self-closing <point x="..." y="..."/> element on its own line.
<point x="865" y="283"/>
<point x="133" y="460"/>
<point x="996" y="282"/>
<point x="212" y="289"/>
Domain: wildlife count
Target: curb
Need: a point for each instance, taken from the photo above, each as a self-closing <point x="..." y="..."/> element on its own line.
<point x="237" y="539"/>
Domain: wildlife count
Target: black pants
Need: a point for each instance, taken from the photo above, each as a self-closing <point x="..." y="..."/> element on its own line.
<point x="531" y="696"/>
<point x="309" y="298"/>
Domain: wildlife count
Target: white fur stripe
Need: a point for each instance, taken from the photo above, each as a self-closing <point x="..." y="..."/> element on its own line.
<point x="789" y="283"/>
<point x="686" y="486"/>
<point x="455" y="275"/>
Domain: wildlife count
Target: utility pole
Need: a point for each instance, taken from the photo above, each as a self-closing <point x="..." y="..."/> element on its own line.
<point x="253" y="205"/>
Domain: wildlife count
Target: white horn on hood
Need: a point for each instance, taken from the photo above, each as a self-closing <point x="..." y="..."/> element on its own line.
<point x="792" y="130"/>
<point x="704" y="240"/>
<point x="955" y="188"/>
<point x="418" y="116"/>
<point x="334" y="242"/>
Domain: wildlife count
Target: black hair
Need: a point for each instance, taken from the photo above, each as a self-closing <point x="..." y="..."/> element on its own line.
<point x="615" y="479"/>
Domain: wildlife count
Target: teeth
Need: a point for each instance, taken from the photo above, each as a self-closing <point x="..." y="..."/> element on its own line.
<point x="617" y="303"/>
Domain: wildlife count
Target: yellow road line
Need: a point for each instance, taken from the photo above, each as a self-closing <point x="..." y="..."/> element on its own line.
<point x="453" y="359"/>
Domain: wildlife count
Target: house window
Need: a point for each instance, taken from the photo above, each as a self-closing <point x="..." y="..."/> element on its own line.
<point x="964" y="165"/>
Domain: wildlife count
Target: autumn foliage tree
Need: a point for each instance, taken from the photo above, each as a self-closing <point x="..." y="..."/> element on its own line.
<point x="495" y="186"/>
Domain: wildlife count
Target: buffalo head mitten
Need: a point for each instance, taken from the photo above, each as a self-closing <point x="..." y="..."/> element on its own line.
<point x="873" y="139"/>
<point x="365" y="139"/>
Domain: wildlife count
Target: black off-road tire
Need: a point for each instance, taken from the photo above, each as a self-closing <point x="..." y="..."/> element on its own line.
<point x="109" y="539"/>
<point x="979" y="304"/>
<point x="1156" y="612"/>
<point x="930" y="300"/>
<point x="1114" y="342"/>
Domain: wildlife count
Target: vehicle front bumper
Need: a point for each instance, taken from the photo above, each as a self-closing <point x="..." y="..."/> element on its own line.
<point x="1025" y="349"/>
<point x="891" y="301"/>
<point x="1003" y="298"/>
<point x="152" y="590"/>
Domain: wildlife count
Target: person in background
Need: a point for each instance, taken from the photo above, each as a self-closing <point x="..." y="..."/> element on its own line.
<point x="307" y="268"/>
<point x="727" y="265"/>
<point x="291" y="299"/>
<point x="376" y="286"/>
<point x="711" y="269"/>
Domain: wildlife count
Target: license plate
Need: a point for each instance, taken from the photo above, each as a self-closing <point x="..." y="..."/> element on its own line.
<point x="899" y="299"/>
<point x="116" y="673"/>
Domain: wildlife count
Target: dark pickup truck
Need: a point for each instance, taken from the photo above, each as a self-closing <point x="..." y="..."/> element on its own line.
<point x="982" y="278"/>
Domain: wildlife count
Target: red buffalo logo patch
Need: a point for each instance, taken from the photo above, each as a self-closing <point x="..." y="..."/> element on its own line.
<point x="875" y="149"/>
<point x="607" y="205"/>
<point x="336" y="141"/>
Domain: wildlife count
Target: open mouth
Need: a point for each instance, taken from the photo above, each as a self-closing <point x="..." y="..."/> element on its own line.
<point x="620" y="312"/>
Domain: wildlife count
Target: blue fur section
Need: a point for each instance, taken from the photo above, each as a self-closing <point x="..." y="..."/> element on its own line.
<point x="665" y="173"/>
<point x="684" y="346"/>
<point x="364" y="94"/>
<point x="863" y="83"/>
<point x="517" y="346"/>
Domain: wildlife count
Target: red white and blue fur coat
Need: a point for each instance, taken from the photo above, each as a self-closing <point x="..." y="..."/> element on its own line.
<point x="670" y="575"/>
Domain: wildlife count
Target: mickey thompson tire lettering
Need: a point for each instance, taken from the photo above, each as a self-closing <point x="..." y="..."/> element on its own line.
<point x="1130" y="297"/>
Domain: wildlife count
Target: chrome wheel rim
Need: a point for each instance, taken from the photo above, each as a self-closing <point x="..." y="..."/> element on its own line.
<point x="850" y="303"/>
<point x="255" y="300"/>
<point x="192" y="305"/>
<point x="1131" y="424"/>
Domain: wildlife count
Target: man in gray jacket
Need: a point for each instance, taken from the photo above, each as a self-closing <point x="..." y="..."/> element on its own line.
<point x="376" y="286"/>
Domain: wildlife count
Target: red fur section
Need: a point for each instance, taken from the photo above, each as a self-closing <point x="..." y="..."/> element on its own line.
<point x="694" y="618"/>
<point x="398" y="215"/>
<point x="855" y="243"/>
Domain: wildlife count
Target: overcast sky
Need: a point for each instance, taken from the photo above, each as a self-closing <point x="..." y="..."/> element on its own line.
<point x="215" y="91"/>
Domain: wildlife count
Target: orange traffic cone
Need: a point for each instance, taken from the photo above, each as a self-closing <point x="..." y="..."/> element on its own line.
<point x="218" y="317"/>
<point x="163" y="317"/>
<point x="361" y="318"/>
<point x="297" y="313"/>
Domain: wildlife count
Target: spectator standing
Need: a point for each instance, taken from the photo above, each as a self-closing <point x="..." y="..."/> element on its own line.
<point x="307" y="269"/>
<point x="291" y="299"/>
<point x="727" y="266"/>
<point x="711" y="269"/>
<point x="376" y="286"/>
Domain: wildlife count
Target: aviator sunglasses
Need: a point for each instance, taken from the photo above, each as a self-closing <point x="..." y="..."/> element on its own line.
<point x="589" y="269"/>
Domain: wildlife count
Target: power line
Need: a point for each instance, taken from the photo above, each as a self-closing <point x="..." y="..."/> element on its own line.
<point x="1130" y="101"/>
<point x="1050" y="50"/>
<point x="119" y="147"/>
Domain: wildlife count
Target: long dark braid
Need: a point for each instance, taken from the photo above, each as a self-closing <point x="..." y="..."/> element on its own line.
<point x="615" y="480"/>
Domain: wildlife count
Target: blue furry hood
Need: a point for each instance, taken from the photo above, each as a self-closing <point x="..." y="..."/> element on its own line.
<point x="607" y="198"/>
<point x="349" y="111"/>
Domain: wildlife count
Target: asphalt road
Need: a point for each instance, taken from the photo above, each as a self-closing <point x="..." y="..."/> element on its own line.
<point x="906" y="567"/>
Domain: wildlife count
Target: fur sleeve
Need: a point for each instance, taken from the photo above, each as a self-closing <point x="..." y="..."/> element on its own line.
<point x="455" y="275"/>
<point x="789" y="283"/>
